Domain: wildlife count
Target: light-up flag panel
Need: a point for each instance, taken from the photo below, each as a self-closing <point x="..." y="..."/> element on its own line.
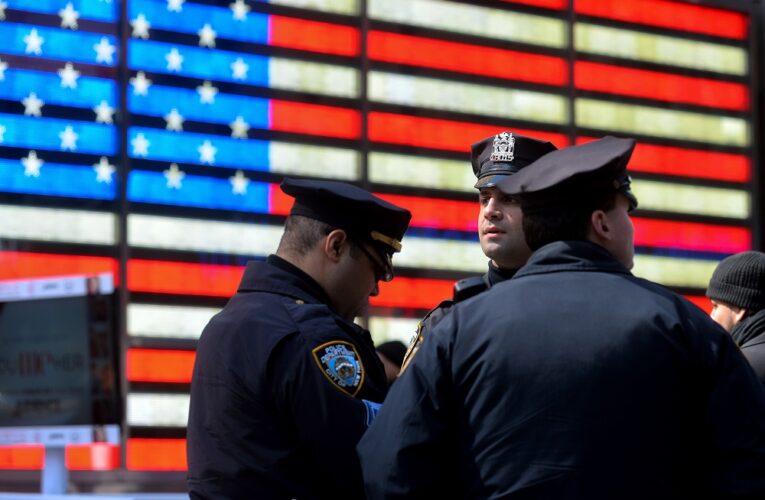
<point x="165" y="145"/>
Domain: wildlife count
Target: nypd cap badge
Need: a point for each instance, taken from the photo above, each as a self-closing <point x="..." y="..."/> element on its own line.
<point x="503" y="147"/>
<point x="341" y="364"/>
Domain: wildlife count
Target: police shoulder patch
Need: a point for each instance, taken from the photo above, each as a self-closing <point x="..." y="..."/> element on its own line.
<point x="341" y="364"/>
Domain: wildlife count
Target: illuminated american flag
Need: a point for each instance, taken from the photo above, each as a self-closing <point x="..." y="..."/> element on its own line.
<point x="224" y="98"/>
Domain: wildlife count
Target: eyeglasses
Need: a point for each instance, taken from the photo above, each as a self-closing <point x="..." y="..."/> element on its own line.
<point x="383" y="272"/>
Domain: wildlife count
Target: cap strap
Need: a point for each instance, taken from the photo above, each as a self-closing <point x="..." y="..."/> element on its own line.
<point x="395" y="244"/>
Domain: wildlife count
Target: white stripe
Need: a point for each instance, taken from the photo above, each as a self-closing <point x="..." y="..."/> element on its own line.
<point x="157" y="410"/>
<point x="698" y="200"/>
<point x="314" y="161"/>
<point x="318" y="78"/>
<point x="657" y="122"/>
<point x="473" y="20"/>
<point x="437" y="253"/>
<point x="671" y="271"/>
<point x="660" y="49"/>
<point x="176" y="233"/>
<point x="467" y="98"/>
<point x="183" y="322"/>
<point x="350" y="7"/>
<point x="384" y="329"/>
<point x="416" y="171"/>
<point x="60" y="225"/>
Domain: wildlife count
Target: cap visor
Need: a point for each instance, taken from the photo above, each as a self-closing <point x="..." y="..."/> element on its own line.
<point x="488" y="181"/>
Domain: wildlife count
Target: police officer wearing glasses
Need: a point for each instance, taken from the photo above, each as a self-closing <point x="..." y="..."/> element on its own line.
<point x="284" y="382"/>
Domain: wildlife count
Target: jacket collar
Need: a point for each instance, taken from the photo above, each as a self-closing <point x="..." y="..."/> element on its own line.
<point x="749" y="329"/>
<point x="276" y="275"/>
<point x="562" y="256"/>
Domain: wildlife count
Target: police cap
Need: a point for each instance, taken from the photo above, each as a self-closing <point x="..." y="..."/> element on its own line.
<point x="362" y="215"/>
<point x="572" y="175"/>
<point x="504" y="154"/>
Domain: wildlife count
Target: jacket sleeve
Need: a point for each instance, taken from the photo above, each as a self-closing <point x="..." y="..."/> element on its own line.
<point x="328" y="422"/>
<point x="735" y="420"/>
<point x="406" y="452"/>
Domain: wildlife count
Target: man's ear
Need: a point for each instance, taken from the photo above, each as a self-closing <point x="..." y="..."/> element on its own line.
<point x="335" y="244"/>
<point x="600" y="225"/>
<point x="739" y="314"/>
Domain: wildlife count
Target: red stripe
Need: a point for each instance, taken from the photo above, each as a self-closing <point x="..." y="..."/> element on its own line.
<point x="438" y="213"/>
<point x="416" y="293"/>
<point x="661" y="86"/>
<point x="550" y="4"/>
<point x="279" y="203"/>
<point x="159" y="365"/>
<point x="155" y="276"/>
<point x="691" y="236"/>
<point x="313" y="36"/>
<point x="668" y="160"/>
<point x="465" y="58"/>
<point x="673" y="15"/>
<point x="156" y="454"/>
<point x="701" y="301"/>
<point x="20" y="265"/>
<point x="315" y="119"/>
<point x="441" y="134"/>
<point x="96" y="456"/>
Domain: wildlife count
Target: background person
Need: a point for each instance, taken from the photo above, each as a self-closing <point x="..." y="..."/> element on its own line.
<point x="737" y="291"/>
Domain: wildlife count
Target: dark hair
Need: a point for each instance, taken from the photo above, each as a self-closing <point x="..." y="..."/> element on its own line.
<point x="301" y="234"/>
<point x="559" y="222"/>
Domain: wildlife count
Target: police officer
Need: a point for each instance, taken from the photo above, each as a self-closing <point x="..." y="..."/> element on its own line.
<point x="574" y="379"/>
<point x="284" y="382"/>
<point x="499" y="221"/>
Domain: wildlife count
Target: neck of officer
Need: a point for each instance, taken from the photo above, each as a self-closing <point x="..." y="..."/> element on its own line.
<point x="317" y="267"/>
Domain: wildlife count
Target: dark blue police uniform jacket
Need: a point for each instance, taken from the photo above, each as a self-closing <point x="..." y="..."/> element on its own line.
<point x="277" y="393"/>
<point x="573" y="380"/>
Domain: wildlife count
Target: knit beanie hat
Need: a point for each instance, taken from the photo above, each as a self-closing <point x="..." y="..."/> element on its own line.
<point x="739" y="280"/>
<point x="393" y="350"/>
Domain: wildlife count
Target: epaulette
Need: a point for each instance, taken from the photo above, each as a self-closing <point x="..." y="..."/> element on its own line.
<point x="469" y="287"/>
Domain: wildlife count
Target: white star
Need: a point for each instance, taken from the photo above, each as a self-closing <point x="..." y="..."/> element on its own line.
<point x="2" y="133"/>
<point x="207" y="93"/>
<point x="207" y="153"/>
<point x="104" y="112"/>
<point x="69" y="16"/>
<point x="140" y="145"/>
<point x="141" y="27"/>
<point x="239" y="128"/>
<point x="239" y="69"/>
<point x="104" y="51"/>
<point x="174" y="60"/>
<point x="175" y="5"/>
<point x="3" y="5"/>
<point x="174" y="176"/>
<point x="174" y="120"/>
<point x="239" y="183"/>
<point x="68" y="76"/>
<point x="68" y="139"/>
<point x="32" y="105"/>
<point x="240" y="10"/>
<point x="140" y="84"/>
<point x="32" y="165"/>
<point x="104" y="170"/>
<point x="3" y="67"/>
<point x="207" y="36"/>
<point x="33" y="43"/>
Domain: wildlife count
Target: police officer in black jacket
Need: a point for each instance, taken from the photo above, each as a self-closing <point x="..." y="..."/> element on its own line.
<point x="574" y="379"/>
<point x="284" y="382"/>
<point x="499" y="221"/>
